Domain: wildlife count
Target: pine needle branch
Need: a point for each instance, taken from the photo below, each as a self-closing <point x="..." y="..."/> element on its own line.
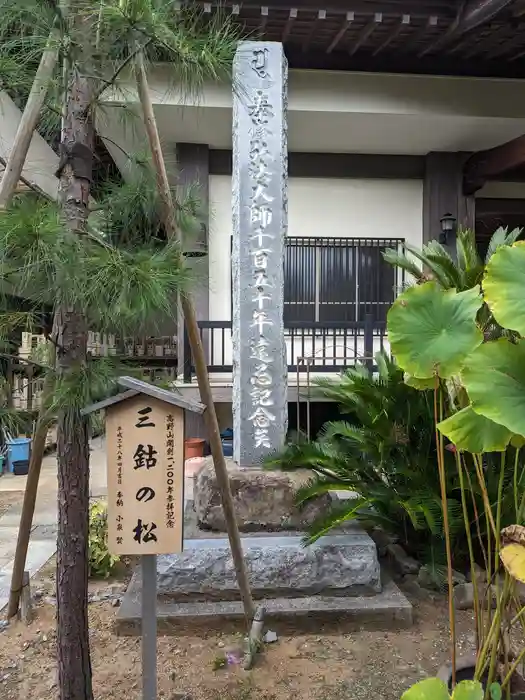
<point x="112" y="80"/>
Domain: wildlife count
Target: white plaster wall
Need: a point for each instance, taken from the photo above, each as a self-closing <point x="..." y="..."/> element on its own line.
<point x="355" y="208"/>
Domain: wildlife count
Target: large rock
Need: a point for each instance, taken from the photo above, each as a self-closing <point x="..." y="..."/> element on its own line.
<point x="403" y="563"/>
<point x="464" y="596"/>
<point x="278" y="566"/>
<point x="264" y="500"/>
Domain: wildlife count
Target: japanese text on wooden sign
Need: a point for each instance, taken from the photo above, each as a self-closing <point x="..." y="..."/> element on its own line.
<point x="145" y="450"/>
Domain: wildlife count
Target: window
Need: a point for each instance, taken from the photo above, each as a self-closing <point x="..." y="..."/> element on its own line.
<point x="337" y="279"/>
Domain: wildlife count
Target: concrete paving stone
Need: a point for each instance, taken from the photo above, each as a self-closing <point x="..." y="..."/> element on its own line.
<point x="39" y="553"/>
<point x="45" y="532"/>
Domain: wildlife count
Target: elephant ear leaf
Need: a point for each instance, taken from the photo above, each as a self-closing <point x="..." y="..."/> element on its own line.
<point x="468" y="690"/>
<point x="431" y="331"/>
<point x="422" y="384"/>
<point x="513" y="559"/>
<point x="503" y="286"/>
<point x="471" y="432"/>
<point x="428" y="689"/>
<point x="494" y="378"/>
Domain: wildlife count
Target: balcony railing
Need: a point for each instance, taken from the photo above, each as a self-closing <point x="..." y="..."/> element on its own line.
<point x="320" y="346"/>
<point x="155" y="356"/>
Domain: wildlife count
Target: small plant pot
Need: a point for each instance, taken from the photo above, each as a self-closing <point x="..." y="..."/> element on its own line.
<point x="193" y="447"/>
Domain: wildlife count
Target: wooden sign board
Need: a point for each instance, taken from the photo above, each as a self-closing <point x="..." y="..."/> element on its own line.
<point x="145" y="463"/>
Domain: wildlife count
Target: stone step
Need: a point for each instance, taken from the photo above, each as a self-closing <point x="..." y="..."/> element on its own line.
<point x="278" y="566"/>
<point x="386" y="610"/>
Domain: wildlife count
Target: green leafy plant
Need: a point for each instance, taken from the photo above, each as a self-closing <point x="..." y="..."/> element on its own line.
<point x="384" y="454"/>
<point x="435" y="263"/>
<point x="219" y="662"/>
<point x="485" y="413"/>
<point x="101" y="561"/>
<point x="436" y="689"/>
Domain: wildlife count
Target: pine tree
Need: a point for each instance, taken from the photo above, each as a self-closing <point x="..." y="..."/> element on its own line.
<point x="59" y="256"/>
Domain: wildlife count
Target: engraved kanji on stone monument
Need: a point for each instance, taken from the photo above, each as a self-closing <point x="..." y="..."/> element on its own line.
<point x="260" y="411"/>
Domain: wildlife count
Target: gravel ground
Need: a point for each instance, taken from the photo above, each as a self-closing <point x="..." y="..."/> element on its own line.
<point x="333" y="664"/>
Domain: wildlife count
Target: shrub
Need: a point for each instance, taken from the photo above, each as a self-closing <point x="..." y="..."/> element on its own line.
<point x="384" y="452"/>
<point x="101" y="561"/>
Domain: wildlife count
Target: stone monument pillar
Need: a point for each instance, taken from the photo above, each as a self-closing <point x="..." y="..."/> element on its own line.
<point x="259" y="184"/>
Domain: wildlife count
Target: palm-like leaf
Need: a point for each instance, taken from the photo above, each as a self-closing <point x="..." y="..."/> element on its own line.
<point x="437" y="265"/>
<point x="403" y="262"/>
<point x="383" y="450"/>
<point x="501" y="237"/>
<point x="466" y="250"/>
<point x="318" y="486"/>
<point x="341" y="512"/>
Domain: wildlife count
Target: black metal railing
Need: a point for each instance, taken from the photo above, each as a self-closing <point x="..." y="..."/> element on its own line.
<point x="323" y="346"/>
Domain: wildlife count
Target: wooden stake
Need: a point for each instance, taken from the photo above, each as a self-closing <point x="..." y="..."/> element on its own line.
<point x="197" y="349"/>
<point x="149" y="627"/>
<point x="254" y="638"/>
<point x="8" y="185"/>
<point x="38" y="446"/>
<point x="26" y="609"/>
<point x="28" y="122"/>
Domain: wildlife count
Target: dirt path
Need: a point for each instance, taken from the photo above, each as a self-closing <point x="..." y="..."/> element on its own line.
<point x="330" y="665"/>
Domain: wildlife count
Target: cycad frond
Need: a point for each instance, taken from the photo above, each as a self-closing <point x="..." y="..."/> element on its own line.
<point x="340" y="512"/>
<point x="403" y="262"/>
<point x="318" y="486"/>
<point x="386" y="367"/>
<point x="346" y="431"/>
<point x="435" y="264"/>
<point x="303" y="454"/>
<point x="449" y="270"/>
<point x="502" y="237"/>
<point x="466" y="250"/>
<point x="429" y="511"/>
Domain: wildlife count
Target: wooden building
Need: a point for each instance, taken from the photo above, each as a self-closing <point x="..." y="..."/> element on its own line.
<point x="400" y="112"/>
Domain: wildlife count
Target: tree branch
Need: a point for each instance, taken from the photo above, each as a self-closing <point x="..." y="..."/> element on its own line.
<point x="23" y="360"/>
<point x="119" y="70"/>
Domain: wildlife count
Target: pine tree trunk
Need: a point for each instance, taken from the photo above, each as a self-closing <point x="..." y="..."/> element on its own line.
<point x="74" y="665"/>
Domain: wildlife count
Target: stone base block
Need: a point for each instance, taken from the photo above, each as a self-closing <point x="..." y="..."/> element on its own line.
<point x="388" y="610"/>
<point x="343" y="564"/>
<point x="264" y="500"/>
